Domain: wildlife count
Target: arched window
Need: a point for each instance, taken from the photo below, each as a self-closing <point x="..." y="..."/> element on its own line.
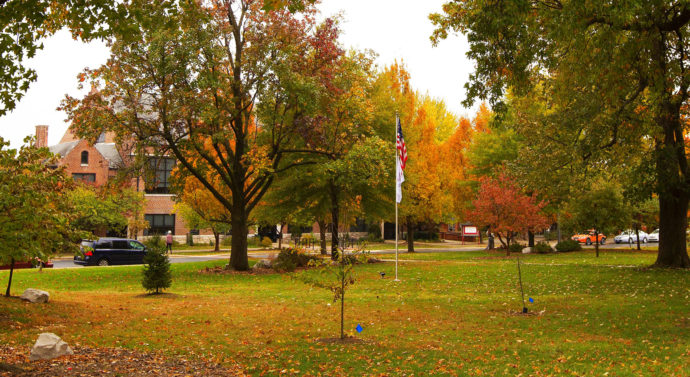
<point x="84" y="158"/>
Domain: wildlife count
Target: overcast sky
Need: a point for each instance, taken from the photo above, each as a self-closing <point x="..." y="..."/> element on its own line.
<point x="394" y="29"/>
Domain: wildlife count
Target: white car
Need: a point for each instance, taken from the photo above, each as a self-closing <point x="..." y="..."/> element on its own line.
<point x="654" y="236"/>
<point x="630" y="236"/>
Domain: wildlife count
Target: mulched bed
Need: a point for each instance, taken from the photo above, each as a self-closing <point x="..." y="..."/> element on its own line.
<point x="346" y="340"/>
<point x="226" y="271"/>
<point x="106" y="362"/>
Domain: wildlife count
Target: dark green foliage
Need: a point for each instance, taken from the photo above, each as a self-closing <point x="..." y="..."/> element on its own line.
<point x="568" y="245"/>
<point x="374" y="231"/>
<point x="290" y="258"/>
<point x="516" y="247"/>
<point x="542" y="248"/>
<point x="156" y="272"/>
<point x="426" y="235"/>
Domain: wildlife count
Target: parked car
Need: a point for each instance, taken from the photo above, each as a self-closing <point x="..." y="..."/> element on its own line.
<point x="589" y="238"/>
<point x="109" y="251"/>
<point x="631" y="236"/>
<point x="33" y="263"/>
<point x="654" y="236"/>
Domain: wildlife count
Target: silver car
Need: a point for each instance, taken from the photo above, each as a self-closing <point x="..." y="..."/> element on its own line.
<point x="654" y="236"/>
<point x="628" y="236"/>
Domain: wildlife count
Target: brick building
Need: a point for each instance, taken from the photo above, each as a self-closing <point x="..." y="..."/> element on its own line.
<point x="97" y="163"/>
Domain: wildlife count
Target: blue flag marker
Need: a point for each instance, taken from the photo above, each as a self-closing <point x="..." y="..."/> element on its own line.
<point x="359" y="328"/>
<point x="531" y="299"/>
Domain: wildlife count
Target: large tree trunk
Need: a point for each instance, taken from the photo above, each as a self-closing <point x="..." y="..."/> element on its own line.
<point x="410" y="234"/>
<point x="673" y="196"/>
<point x="672" y="171"/>
<point x="9" y="282"/>
<point x="596" y="241"/>
<point x="672" y="224"/>
<point x="322" y="234"/>
<point x="238" y="254"/>
<point x="216" y="236"/>
<point x="335" y="208"/>
<point x="637" y="235"/>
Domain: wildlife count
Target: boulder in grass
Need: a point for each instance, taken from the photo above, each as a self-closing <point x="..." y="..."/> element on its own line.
<point x="35" y="295"/>
<point x="262" y="264"/>
<point x="49" y="346"/>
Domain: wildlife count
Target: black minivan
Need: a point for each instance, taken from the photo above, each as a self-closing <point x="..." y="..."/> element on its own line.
<point x="108" y="251"/>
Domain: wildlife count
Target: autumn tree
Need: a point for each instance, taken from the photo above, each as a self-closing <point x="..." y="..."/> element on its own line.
<point x="347" y="166"/>
<point x="220" y="86"/>
<point x="618" y="75"/>
<point x="198" y="207"/>
<point x="34" y="200"/>
<point x="425" y="199"/>
<point x="501" y="205"/>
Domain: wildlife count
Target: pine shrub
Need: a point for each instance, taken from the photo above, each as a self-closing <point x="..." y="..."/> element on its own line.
<point x="542" y="247"/>
<point x="156" y="273"/>
<point x="568" y="245"/>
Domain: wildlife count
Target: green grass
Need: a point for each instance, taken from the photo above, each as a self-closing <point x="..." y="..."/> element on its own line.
<point x="452" y="314"/>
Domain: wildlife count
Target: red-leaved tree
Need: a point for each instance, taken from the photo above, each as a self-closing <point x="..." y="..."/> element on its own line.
<point x="503" y="207"/>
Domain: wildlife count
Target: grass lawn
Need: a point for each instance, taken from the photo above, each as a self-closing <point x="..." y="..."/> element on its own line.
<point x="452" y="314"/>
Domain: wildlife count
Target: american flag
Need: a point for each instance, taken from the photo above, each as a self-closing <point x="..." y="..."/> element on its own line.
<point x="400" y="144"/>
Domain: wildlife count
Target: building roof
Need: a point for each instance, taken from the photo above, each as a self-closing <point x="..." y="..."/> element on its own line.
<point x="63" y="149"/>
<point x="107" y="150"/>
<point x="110" y="153"/>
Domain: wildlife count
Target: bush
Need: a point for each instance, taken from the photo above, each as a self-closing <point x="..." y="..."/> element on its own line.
<point x="155" y="242"/>
<point x="266" y="243"/>
<point x="211" y="243"/>
<point x="542" y="247"/>
<point x="516" y="247"/>
<point x="427" y="236"/>
<point x="156" y="272"/>
<point x="568" y="245"/>
<point x="227" y="241"/>
<point x="374" y="231"/>
<point x="290" y="258"/>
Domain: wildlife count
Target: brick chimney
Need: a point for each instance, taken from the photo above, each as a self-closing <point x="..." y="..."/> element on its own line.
<point x="41" y="136"/>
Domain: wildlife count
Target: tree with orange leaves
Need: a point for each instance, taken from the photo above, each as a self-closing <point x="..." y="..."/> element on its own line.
<point x="191" y="81"/>
<point x="501" y="205"/>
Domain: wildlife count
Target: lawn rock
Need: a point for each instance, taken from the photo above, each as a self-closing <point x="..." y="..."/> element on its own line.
<point x="35" y="295"/>
<point x="264" y="263"/>
<point x="49" y="346"/>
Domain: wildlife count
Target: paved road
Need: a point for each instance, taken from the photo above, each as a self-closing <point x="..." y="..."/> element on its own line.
<point x="68" y="263"/>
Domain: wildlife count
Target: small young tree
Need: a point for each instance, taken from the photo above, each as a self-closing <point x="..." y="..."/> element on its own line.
<point x="336" y="276"/>
<point x="156" y="270"/>
<point x="501" y="205"/>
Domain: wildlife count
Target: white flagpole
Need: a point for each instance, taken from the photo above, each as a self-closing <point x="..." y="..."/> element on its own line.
<point x="397" y="119"/>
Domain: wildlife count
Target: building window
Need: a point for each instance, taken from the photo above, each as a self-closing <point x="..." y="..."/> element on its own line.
<point x="158" y="181"/>
<point x="84" y="158"/>
<point x="84" y="177"/>
<point x="159" y="224"/>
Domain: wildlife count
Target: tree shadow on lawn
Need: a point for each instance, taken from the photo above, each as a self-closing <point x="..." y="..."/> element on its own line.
<point x="160" y="295"/>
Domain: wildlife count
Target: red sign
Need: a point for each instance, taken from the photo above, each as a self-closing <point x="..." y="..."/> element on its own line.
<point x="468" y="230"/>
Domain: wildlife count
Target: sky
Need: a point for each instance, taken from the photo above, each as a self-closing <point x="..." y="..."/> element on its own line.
<point x="394" y="29"/>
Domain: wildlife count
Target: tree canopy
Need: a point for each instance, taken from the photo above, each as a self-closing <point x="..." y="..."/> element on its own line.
<point x="616" y="73"/>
